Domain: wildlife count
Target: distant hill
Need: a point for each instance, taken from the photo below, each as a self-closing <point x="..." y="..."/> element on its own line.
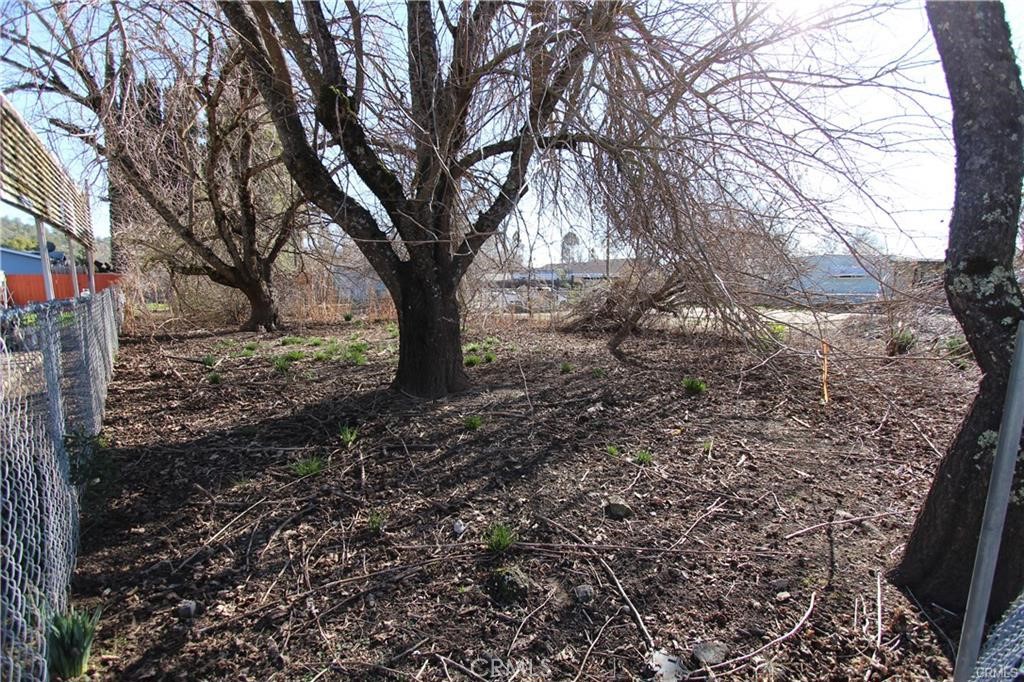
<point x="21" y="235"/>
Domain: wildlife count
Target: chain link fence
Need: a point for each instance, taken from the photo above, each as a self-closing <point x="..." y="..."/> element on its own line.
<point x="56" y="360"/>
<point x="1002" y="656"/>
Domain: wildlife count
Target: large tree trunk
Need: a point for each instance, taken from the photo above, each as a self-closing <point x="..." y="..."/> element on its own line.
<point x="988" y="108"/>
<point x="263" y="313"/>
<point x="429" y="341"/>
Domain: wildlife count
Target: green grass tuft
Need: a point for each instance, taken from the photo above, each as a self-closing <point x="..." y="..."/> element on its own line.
<point x="292" y="341"/>
<point x="208" y="360"/>
<point x="473" y="422"/>
<point x="490" y="356"/>
<point x="499" y="538"/>
<point x="643" y="457"/>
<point x="375" y="521"/>
<point x="472" y="360"/>
<point x="69" y="640"/>
<point x="565" y="368"/>
<point x="612" y="450"/>
<point x="213" y="377"/>
<point x="694" y="386"/>
<point x="309" y="466"/>
<point x="349" y="435"/>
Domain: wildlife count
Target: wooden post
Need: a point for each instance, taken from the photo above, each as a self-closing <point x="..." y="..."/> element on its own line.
<point x="90" y="267"/>
<point x="44" y="256"/>
<point x="72" y="267"/>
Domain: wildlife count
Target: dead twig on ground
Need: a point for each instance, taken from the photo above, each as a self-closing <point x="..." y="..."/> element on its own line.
<point x="855" y="519"/>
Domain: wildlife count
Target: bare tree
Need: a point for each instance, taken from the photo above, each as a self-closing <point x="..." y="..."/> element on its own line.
<point x="988" y="123"/>
<point x="182" y="129"/>
<point x="421" y="106"/>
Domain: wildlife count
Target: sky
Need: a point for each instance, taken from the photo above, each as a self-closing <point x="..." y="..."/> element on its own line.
<point x="914" y="186"/>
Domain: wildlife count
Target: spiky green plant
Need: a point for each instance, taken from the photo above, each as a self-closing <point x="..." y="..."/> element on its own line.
<point x="490" y="356"/>
<point x="392" y="330"/>
<point x="292" y="341"/>
<point x="282" y="364"/>
<point x="308" y="467"/>
<point x="349" y="435"/>
<point x="694" y="386"/>
<point x="643" y="457"/>
<point x="69" y="640"/>
<point x="474" y="422"/>
<point x="471" y="348"/>
<point x="294" y="355"/>
<point x="472" y="360"/>
<point x="347" y="317"/>
<point x="612" y="450"/>
<point x="599" y="373"/>
<point x="213" y="377"/>
<point x="565" y="368"/>
<point x="499" y="537"/>
<point x="208" y="360"/>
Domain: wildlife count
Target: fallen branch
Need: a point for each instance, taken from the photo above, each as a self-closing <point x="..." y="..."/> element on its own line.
<point x="854" y="519"/>
<point x="777" y="640"/>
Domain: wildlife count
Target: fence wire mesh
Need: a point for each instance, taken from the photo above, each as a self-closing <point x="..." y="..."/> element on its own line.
<point x="1002" y="656"/>
<point x="56" y="360"/>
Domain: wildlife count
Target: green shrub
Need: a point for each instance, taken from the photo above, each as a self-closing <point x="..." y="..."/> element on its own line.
<point x="473" y="422"/>
<point x="471" y="348"/>
<point x="612" y="450"/>
<point x="778" y="331"/>
<point x="294" y="355"/>
<point x="349" y="435"/>
<point x="309" y="466"/>
<point x="69" y="640"/>
<point x="213" y="377"/>
<point x="491" y="342"/>
<point x="643" y="457"/>
<point x="292" y="341"/>
<point x="599" y="373"/>
<point x="282" y="364"/>
<point x="499" y="538"/>
<point x="208" y="360"/>
<point x="694" y="386"/>
<point x="347" y="317"/>
<point x="565" y="368"/>
<point x="490" y="356"/>
<point x="900" y="341"/>
<point x="472" y="360"/>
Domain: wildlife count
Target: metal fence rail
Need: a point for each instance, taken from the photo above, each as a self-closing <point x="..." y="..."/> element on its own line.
<point x="56" y="360"/>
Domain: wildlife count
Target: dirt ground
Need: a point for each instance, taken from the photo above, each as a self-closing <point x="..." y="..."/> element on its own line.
<point x="219" y="551"/>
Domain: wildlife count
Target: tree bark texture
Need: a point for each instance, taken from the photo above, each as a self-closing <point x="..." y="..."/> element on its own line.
<point x="973" y="40"/>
